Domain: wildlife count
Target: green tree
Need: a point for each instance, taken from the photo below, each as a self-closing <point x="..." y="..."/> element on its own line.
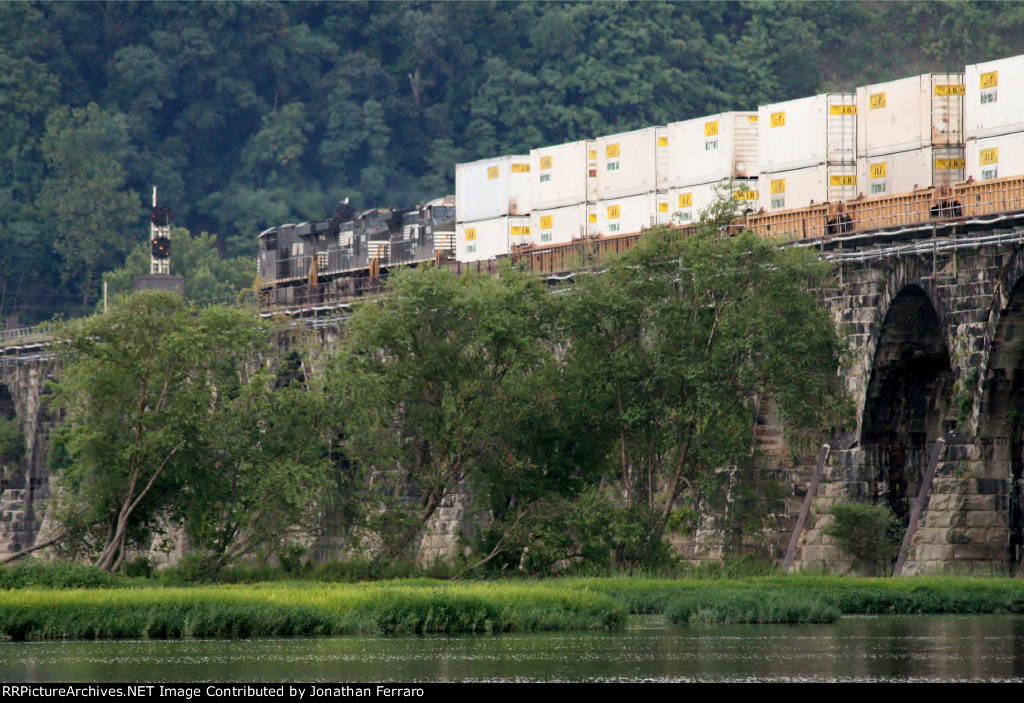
<point x="267" y="478"/>
<point x="84" y="205"/>
<point x="675" y="343"/>
<point x="144" y="391"/>
<point x="432" y="384"/>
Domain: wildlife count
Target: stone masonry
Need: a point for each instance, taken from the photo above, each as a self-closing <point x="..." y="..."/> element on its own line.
<point x="937" y="343"/>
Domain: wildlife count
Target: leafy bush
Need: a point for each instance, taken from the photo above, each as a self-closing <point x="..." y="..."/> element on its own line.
<point x="748" y="605"/>
<point x="140" y="567"/>
<point x="55" y="574"/>
<point x="12" y="440"/>
<point x="868" y="532"/>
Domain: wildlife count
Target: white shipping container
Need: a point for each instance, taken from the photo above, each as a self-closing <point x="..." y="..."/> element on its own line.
<point x="563" y="224"/>
<point x="713" y="148"/>
<point x="631" y="214"/>
<point x="486" y="239"/>
<point x="994" y="103"/>
<point x="492" y="188"/>
<point x="910" y="113"/>
<point x="687" y="203"/>
<point x="892" y="174"/>
<point x="996" y="157"/>
<point x="807" y="132"/>
<point x="562" y="175"/>
<point x="632" y="163"/>
<point x="785" y="190"/>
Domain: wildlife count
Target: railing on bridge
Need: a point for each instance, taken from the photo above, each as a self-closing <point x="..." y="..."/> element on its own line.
<point x="23" y="335"/>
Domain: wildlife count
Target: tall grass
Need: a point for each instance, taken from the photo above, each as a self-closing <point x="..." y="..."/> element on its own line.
<point x="118" y="607"/>
<point x="301" y="609"/>
<point x="850" y="596"/>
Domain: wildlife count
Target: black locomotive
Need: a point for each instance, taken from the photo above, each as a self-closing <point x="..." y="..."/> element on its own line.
<point x="335" y="258"/>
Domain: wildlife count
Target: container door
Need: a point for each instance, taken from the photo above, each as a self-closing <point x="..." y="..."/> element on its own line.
<point x="841" y="182"/>
<point x="661" y="158"/>
<point x="949" y="166"/>
<point x="592" y="192"/>
<point x="947" y="101"/>
<point x="662" y="216"/>
<point x="842" y="128"/>
<point x="593" y="227"/>
<point x="745" y="160"/>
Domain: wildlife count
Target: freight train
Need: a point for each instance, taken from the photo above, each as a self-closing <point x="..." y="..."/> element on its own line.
<point x="909" y="153"/>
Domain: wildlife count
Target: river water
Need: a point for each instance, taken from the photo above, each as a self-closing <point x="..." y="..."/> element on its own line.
<point x="906" y="648"/>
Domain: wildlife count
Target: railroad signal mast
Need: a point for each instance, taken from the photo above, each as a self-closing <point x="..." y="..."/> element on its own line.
<point x="160" y="238"/>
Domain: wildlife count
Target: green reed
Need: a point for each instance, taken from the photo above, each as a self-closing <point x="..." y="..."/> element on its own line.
<point x="300" y="609"/>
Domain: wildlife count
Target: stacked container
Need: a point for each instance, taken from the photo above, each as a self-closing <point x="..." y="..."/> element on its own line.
<point x="994" y="118"/>
<point x="565" y="181"/>
<point x="487" y="239"/>
<point x="631" y="176"/>
<point x="706" y="155"/>
<point x="492" y="199"/>
<point x="808" y="151"/>
<point x="910" y="134"/>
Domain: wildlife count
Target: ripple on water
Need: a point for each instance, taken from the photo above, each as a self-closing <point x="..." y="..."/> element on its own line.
<point x="853" y="650"/>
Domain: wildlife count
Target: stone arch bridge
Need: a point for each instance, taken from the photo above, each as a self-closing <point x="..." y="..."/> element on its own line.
<point x="935" y="316"/>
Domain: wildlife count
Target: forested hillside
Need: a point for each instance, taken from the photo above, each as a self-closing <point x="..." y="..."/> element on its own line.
<point x="252" y="114"/>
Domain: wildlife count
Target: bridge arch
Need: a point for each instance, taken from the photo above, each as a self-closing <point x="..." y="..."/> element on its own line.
<point x="999" y="399"/>
<point x="908" y="402"/>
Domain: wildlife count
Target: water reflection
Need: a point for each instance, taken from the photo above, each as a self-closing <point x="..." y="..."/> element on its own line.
<point x="923" y="648"/>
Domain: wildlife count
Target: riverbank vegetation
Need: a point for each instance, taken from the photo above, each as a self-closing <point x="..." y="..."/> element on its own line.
<point x="109" y="606"/>
<point x="303" y="609"/>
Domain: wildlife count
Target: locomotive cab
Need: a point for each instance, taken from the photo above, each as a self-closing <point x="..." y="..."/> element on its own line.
<point x="438" y="217"/>
<point x="267" y="262"/>
<point x="378" y="227"/>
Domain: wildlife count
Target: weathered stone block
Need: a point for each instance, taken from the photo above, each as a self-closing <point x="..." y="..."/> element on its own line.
<point x="952" y="486"/>
<point x="989" y="486"/>
<point x="959" y="536"/>
<point x="944" y="518"/>
<point x="979" y="552"/>
<point x="978" y="518"/>
<point x="979" y="502"/>
<point x="932" y="552"/>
